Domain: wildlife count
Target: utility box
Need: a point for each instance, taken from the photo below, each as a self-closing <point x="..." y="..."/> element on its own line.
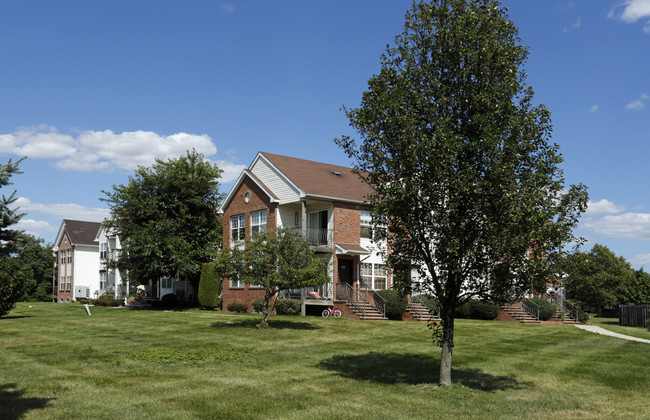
<point x="81" y="292"/>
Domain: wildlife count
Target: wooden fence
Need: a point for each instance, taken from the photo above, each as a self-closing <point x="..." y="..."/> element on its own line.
<point x="634" y="315"/>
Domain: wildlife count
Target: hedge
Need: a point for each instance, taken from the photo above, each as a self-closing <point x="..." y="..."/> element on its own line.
<point x="237" y="307"/>
<point x="477" y="309"/>
<point x="546" y="308"/>
<point x="396" y="303"/>
<point x="208" y="287"/>
<point x="287" y="307"/>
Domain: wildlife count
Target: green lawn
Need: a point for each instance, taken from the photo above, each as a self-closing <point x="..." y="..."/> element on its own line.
<point x="56" y="362"/>
<point x="612" y="325"/>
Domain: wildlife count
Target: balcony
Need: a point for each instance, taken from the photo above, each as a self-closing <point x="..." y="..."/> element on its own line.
<point x="319" y="238"/>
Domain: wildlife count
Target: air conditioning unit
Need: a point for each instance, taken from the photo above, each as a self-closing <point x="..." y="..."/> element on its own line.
<point x="82" y="292"/>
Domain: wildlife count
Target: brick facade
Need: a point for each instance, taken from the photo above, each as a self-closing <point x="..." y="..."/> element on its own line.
<point x="65" y="269"/>
<point x="248" y="198"/>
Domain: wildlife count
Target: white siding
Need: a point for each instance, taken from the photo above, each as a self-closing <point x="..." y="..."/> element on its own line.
<point x="275" y="182"/>
<point x="86" y="267"/>
<point x="287" y="215"/>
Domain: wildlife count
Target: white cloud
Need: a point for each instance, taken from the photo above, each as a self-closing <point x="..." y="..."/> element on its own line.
<point x="230" y="171"/>
<point x="105" y="150"/>
<point x="640" y="260"/>
<point x="227" y="7"/>
<point x="62" y="210"/>
<point x="575" y="25"/>
<point x="623" y="226"/>
<point x="603" y="206"/>
<point x="593" y="108"/>
<point x="37" y="228"/>
<point x="638" y="104"/>
<point x="633" y="10"/>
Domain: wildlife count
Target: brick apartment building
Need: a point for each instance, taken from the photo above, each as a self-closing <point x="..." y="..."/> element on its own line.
<point x="326" y="203"/>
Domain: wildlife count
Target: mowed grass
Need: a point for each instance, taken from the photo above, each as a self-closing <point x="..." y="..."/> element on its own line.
<point x="57" y="362"/>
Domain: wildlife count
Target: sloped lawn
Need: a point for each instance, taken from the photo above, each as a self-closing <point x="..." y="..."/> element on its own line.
<point x="57" y="362"/>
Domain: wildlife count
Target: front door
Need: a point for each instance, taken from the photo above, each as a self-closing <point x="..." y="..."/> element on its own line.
<point x="345" y="271"/>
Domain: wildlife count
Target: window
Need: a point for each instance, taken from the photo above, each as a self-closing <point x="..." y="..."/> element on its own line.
<point x="238" y="227"/>
<point x="62" y="283"/>
<point x="258" y="222"/>
<point x="102" y="280"/>
<point x="62" y="257"/>
<point x="366" y="224"/>
<point x="69" y="284"/>
<point x="69" y="256"/>
<point x="235" y="282"/>
<point x="166" y="283"/>
<point x="373" y="276"/>
<point x="366" y="276"/>
<point x="102" y="249"/>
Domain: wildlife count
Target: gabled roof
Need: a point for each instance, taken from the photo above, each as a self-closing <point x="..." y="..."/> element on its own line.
<point x="79" y="232"/>
<point x="246" y="173"/>
<point x="321" y="180"/>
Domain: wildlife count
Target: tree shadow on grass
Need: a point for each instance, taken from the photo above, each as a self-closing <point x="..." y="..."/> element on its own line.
<point x="16" y="316"/>
<point x="14" y="405"/>
<point x="278" y="324"/>
<point x="414" y="369"/>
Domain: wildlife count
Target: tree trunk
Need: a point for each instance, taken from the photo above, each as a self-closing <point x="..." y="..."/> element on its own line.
<point x="447" y="347"/>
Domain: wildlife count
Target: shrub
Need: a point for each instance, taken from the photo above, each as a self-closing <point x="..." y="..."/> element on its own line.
<point x="106" y="300"/>
<point x="396" y="303"/>
<point x="287" y="306"/>
<point x="13" y="282"/>
<point x="83" y="301"/>
<point x="477" y="309"/>
<point x="258" y="304"/>
<point x="237" y="307"/>
<point x="546" y="308"/>
<point x="209" y="287"/>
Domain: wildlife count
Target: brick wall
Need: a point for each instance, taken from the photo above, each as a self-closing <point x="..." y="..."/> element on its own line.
<point x="347" y="223"/>
<point x="239" y="205"/>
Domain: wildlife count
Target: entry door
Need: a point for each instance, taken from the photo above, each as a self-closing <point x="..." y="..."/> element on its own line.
<point x="345" y="271"/>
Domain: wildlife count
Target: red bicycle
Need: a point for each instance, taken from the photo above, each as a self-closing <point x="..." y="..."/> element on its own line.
<point x="332" y="311"/>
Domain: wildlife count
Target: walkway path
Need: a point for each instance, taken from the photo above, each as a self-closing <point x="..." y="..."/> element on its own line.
<point x="599" y="330"/>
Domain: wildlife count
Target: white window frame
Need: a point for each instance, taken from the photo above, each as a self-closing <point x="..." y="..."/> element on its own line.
<point x="237" y="228"/>
<point x="259" y="220"/>
<point x="102" y="280"/>
<point x="373" y="276"/>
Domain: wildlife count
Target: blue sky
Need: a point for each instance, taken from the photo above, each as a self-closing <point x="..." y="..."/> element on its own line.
<point x="89" y="90"/>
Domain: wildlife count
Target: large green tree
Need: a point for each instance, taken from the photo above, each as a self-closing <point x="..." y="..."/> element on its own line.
<point x="279" y="259"/>
<point x="35" y="256"/>
<point x="461" y="161"/>
<point x="167" y="220"/>
<point x="600" y="279"/>
<point x="13" y="277"/>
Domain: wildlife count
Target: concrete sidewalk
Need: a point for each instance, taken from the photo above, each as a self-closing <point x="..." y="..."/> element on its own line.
<point x="599" y="330"/>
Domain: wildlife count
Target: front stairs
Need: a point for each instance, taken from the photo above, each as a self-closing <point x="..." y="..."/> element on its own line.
<point x="420" y="312"/>
<point x="517" y="311"/>
<point x="363" y="310"/>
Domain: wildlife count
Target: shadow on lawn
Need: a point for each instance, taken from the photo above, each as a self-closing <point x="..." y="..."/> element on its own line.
<point x="394" y="368"/>
<point x="274" y="323"/>
<point x="13" y="405"/>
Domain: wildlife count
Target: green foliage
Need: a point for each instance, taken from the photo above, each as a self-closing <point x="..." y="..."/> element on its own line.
<point x="83" y="301"/>
<point x="478" y="309"/>
<point x="546" y="308"/>
<point x="599" y="279"/>
<point x="107" y="300"/>
<point x="167" y="218"/>
<point x="279" y="259"/>
<point x="258" y="304"/>
<point x="14" y="279"/>
<point x="429" y="301"/>
<point x="287" y="307"/>
<point x="36" y="258"/>
<point x="634" y="290"/>
<point x="461" y="160"/>
<point x="209" y="287"/>
<point x="237" y="307"/>
<point x="8" y="216"/>
<point x="396" y="303"/>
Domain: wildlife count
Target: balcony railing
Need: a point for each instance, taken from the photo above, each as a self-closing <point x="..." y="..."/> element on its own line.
<point x="318" y="236"/>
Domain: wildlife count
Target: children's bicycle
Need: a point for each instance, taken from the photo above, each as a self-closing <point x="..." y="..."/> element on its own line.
<point x="332" y="311"/>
